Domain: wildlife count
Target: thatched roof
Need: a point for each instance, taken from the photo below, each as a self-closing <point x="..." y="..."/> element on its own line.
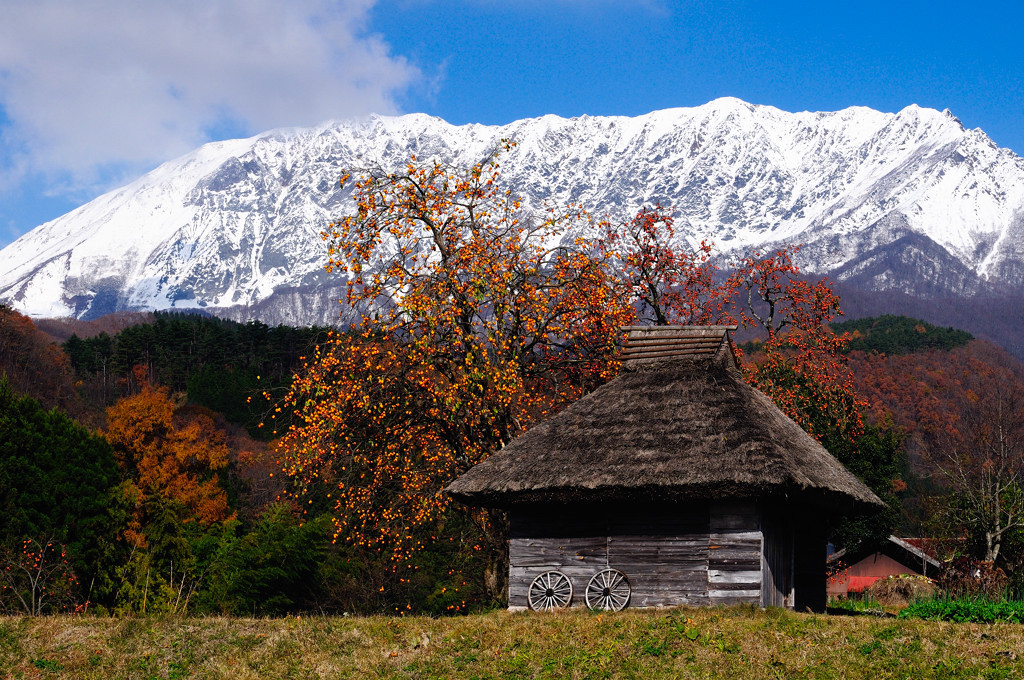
<point x="676" y="428"/>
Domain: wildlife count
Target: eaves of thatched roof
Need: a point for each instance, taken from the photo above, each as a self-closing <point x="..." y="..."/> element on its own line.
<point x="685" y="429"/>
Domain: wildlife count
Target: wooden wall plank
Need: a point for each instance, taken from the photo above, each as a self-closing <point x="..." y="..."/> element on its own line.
<point x="718" y="576"/>
<point x="735" y="597"/>
<point x="734" y="553"/>
<point x="671" y="555"/>
<point x="555" y="551"/>
<point x="737" y="537"/>
<point x="777" y="559"/>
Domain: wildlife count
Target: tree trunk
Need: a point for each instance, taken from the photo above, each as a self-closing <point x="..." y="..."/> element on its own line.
<point x="992" y="545"/>
<point x="495" y="529"/>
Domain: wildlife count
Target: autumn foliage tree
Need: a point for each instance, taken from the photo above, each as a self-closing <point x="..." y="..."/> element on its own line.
<point x="802" y="365"/>
<point x="474" y="323"/>
<point x="663" y="284"/>
<point x="979" y="452"/>
<point x="169" y="452"/>
<point x="170" y="455"/>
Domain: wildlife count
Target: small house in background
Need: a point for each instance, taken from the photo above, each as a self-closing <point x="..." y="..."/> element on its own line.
<point x="855" y="572"/>
<point x="675" y="483"/>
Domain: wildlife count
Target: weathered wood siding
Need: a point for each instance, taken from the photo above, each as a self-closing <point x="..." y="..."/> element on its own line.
<point x="671" y="554"/>
<point x="665" y="558"/>
<point x="734" y="554"/>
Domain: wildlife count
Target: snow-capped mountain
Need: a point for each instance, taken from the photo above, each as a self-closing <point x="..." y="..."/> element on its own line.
<point x="910" y="201"/>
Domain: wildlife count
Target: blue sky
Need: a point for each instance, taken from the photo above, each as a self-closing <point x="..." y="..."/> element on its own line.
<point x="95" y="92"/>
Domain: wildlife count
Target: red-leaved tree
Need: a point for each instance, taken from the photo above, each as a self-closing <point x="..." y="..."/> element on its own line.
<point x="665" y="285"/>
<point x="802" y="366"/>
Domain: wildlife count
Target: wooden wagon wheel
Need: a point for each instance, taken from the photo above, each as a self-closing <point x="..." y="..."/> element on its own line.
<point x="609" y="589"/>
<point x="550" y="590"/>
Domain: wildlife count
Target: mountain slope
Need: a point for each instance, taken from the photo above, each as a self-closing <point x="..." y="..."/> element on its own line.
<point x="909" y="202"/>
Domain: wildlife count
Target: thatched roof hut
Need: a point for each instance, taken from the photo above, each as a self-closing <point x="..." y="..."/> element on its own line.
<point x="669" y="429"/>
<point x="677" y="433"/>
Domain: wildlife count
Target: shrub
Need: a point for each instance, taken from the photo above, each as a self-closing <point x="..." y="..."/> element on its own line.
<point x="857" y="605"/>
<point x="965" y="611"/>
<point x="269" y="571"/>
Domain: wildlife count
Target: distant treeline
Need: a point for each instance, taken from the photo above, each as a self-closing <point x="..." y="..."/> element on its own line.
<point x="218" y="363"/>
<point x="890" y="334"/>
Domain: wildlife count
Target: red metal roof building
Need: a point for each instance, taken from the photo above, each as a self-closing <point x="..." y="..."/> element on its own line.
<point x="855" y="573"/>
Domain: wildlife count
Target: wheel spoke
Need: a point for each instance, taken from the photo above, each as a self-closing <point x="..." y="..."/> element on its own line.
<point x="549" y="590"/>
<point x="608" y="589"/>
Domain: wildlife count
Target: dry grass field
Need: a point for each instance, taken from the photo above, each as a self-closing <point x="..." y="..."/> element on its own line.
<point x="730" y="643"/>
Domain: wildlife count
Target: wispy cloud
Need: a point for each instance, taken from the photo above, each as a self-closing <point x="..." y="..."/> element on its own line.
<point x="94" y="88"/>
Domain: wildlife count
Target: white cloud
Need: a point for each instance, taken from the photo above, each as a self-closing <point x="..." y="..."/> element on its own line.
<point x="94" y="86"/>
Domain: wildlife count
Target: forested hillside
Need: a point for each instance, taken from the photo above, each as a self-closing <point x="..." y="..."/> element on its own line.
<point x="959" y="404"/>
<point x="34" y="365"/>
<point x="891" y="334"/>
<point x="161" y="500"/>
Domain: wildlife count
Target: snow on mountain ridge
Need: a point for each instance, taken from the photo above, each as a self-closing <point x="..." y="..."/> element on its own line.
<point x="233" y="223"/>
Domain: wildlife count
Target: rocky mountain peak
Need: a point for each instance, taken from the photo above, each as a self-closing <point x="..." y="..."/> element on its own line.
<point x="907" y="201"/>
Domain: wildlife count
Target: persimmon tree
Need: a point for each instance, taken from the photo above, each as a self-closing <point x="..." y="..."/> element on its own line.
<point x="665" y="285"/>
<point x="773" y="295"/>
<point x="37" y="578"/>
<point x="474" y="322"/>
<point x="803" y="365"/>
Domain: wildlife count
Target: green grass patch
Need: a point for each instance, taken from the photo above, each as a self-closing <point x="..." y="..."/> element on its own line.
<point x="740" y="642"/>
<point x="856" y="605"/>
